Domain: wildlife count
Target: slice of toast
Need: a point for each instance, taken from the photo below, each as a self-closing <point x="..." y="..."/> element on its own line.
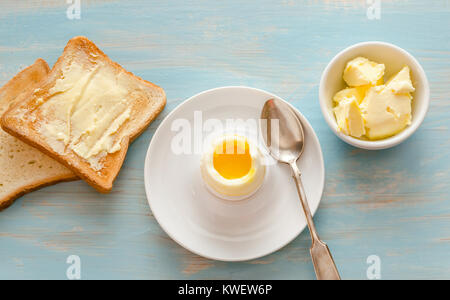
<point x="23" y="168"/>
<point x="86" y="112"/>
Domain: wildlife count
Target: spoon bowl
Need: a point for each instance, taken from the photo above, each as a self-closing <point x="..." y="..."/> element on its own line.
<point x="285" y="141"/>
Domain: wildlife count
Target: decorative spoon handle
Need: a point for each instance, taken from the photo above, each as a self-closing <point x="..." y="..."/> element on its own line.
<point x="323" y="262"/>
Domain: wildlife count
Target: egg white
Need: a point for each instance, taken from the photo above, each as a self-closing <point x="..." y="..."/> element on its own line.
<point x="233" y="189"/>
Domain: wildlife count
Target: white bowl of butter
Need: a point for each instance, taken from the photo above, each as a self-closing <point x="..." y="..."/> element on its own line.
<point x="374" y="95"/>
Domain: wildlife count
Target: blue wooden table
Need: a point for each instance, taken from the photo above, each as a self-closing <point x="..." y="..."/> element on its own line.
<point x="394" y="204"/>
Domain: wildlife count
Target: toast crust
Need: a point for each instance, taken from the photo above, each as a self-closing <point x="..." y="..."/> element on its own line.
<point x="16" y="194"/>
<point x="15" y="91"/>
<point x="102" y="179"/>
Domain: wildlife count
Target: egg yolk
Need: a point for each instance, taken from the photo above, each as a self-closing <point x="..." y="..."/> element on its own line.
<point x="232" y="158"/>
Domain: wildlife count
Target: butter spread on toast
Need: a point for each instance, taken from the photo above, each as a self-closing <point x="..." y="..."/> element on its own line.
<point x="85" y="110"/>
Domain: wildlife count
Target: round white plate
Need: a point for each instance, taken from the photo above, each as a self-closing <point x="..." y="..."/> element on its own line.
<point x="213" y="227"/>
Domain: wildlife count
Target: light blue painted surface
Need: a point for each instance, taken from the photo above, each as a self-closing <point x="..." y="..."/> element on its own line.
<point x="393" y="203"/>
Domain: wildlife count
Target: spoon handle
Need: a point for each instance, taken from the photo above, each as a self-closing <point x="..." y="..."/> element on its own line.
<point x="323" y="262"/>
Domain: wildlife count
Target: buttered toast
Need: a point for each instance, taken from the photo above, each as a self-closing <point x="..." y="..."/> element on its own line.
<point x="23" y="168"/>
<point x="86" y="112"/>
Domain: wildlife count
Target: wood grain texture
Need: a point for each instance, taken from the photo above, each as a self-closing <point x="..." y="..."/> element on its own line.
<point x="393" y="203"/>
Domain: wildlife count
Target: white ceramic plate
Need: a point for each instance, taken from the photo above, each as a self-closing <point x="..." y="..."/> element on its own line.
<point x="213" y="227"/>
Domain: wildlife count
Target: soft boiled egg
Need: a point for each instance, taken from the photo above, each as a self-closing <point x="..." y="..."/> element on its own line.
<point x="233" y="167"/>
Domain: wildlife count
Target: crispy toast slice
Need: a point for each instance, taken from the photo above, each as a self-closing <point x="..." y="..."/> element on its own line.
<point x="86" y="113"/>
<point x="24" y="168"/>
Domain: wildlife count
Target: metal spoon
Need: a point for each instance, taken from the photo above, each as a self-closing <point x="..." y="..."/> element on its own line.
<point x="286" y="145"/>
